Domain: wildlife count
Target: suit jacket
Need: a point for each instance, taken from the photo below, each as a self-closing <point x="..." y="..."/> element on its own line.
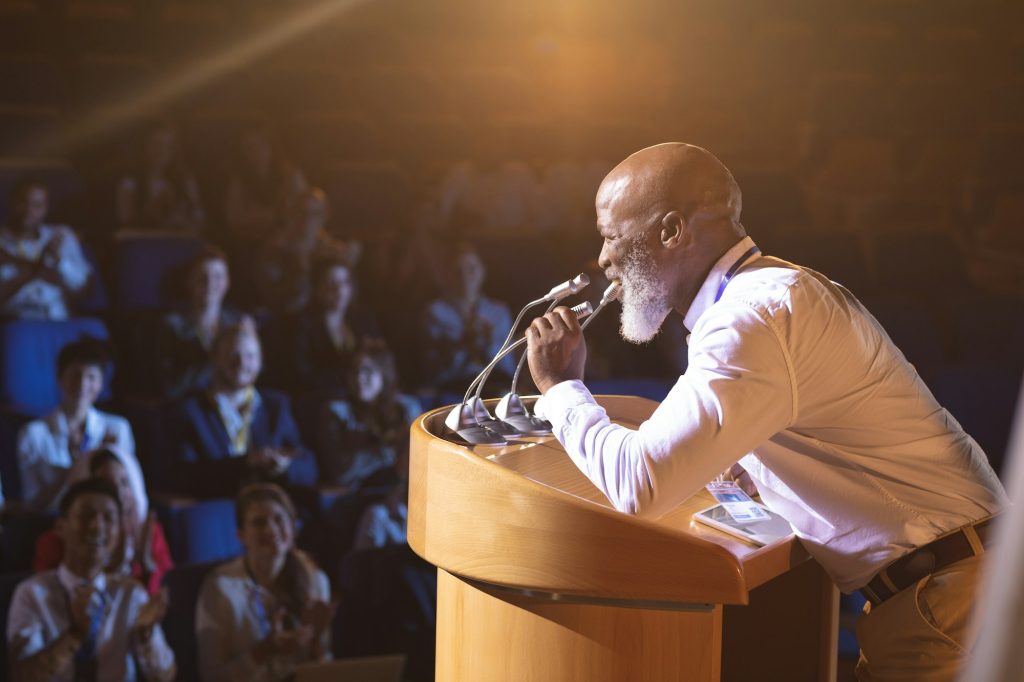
<point x="206" y="467"/>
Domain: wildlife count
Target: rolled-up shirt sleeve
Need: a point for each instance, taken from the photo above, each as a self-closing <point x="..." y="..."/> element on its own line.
<point x="737" y="392"/>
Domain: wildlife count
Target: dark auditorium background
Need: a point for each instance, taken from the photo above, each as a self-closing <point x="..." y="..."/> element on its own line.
<point x="880" y="142"/>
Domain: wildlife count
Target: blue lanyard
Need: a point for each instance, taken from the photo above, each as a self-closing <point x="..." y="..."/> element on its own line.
<point x="733" y="270"/>
<point x="261" y="611"/>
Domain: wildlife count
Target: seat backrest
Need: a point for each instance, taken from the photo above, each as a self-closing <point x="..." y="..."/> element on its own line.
<point x="200" y="531"/>
<point x="28" y="360"/>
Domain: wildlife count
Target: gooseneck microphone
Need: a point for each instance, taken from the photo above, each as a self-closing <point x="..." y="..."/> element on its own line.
<point x="470" y="419"/>
<point x="511" y="410"/>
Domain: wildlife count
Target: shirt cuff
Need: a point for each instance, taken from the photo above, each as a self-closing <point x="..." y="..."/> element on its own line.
<point x="561" y="398"/>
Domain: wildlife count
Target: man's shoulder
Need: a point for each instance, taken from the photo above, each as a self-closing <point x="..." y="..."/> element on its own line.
<point x="37" y="586"/>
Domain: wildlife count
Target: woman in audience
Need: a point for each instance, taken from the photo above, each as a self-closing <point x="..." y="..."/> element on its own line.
<point x="41" y="265"/>
<point x="281" y="273"/>
<point x="369" y="431"/>
<point x="263" y="613"/>
<point x="318" y="344"/>
<point x="143" y="551"/>
<point x="161" y="194"/>
<point x="183" y="346"/>
<point x="262" y="185"/>
<point x="234" y="433"/>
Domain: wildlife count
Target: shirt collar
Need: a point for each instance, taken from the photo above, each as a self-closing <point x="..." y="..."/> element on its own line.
<point x="705" y="297"/>
<point x="95" y="429"/>
<point x="70" y="582"/>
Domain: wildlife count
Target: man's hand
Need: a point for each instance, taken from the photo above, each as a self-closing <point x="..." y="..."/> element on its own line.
<point x="151" y="613"/>
<point x="274" y="460"/>
<point x="555" y="348"/>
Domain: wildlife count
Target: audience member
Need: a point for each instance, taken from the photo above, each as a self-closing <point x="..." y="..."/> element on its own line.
<point x="465" y="329"/>
<point x="161" y="193"/>
<point x="281" y="273"/>
<point x="79" y="623"/>
<point x="369" y="431"/>
<point x="234" y="433"/>
<point x="143" y="552"/>
<point x="186" y="337"/>
<point x="262" y="185"/>
<point x="41" y="265"/>
<point x="263" y="613"/>
<point x="49" y="449"/>
<point x="318" y="343"/>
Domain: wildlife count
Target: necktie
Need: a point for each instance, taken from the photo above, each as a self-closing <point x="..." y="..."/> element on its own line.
<point x="85" y="657"/>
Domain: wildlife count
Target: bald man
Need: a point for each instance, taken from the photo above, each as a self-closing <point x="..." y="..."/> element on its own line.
<point x="793" y="379"/>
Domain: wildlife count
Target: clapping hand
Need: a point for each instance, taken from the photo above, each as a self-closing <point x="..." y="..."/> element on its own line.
<point x="318" y="615"/>
<point x="281" y="642"/>
<point x="151" y="613"/>
<point x="274" y="459"/>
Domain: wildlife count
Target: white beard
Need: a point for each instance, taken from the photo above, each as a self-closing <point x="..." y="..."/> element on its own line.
<point x="645" y="303"/>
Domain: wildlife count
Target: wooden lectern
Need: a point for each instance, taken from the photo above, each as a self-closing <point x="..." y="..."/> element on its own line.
<point x="541" y="580"/>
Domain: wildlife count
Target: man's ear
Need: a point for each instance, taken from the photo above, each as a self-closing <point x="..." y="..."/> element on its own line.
<point x="673" y="230"/>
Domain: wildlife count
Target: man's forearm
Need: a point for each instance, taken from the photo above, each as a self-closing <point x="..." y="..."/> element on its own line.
<point x="49" y="662"/>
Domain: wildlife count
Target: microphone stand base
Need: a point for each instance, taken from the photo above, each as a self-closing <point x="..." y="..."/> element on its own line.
<point x="529" y="425"/>
<point x="480" y="435"/>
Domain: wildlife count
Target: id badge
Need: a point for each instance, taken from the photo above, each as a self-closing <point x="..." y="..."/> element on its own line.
<point x="736" y="502"/>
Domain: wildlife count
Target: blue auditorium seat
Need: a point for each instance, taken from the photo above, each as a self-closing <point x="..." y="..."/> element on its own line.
<point x="179" y="625"/>
<point x="146" y="265"/>
<point x="200" y="531"/>
<point x="28" y="360"/>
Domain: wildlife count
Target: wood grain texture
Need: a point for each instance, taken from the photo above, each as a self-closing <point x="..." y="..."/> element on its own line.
<point x="486" y="635"/>
<point x="523" y="515"/>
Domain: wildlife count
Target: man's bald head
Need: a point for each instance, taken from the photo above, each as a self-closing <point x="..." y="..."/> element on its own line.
<point x="673" y="176"/>
<point x="667" y="214"/>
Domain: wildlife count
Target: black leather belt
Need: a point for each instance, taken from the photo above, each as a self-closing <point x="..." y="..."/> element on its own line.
<point x="962" y="543"/>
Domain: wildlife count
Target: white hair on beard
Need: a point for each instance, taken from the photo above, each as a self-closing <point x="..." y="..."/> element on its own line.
<point x="645" y="301"/>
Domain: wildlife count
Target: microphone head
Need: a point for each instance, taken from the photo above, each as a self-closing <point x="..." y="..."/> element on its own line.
<point x="579" y="283"/>
<point x="612" y="293"/>
<point x="573" y="286"/>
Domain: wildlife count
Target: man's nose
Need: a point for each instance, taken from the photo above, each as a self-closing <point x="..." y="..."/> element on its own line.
<point x="603" y="261"/>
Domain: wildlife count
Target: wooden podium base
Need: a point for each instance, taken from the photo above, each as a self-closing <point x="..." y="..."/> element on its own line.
<point x="495" y="635"/>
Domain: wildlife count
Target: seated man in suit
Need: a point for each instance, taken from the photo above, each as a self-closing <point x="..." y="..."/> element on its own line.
<point x="233" y="433"/>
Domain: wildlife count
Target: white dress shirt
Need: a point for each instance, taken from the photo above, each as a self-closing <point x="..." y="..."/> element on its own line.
<point x="38" y="298"/>
<point x="40" y="614"/>
<point x="789" y="375"/>
<point x="48" y="465"/>
<point x="232" y="614"/>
